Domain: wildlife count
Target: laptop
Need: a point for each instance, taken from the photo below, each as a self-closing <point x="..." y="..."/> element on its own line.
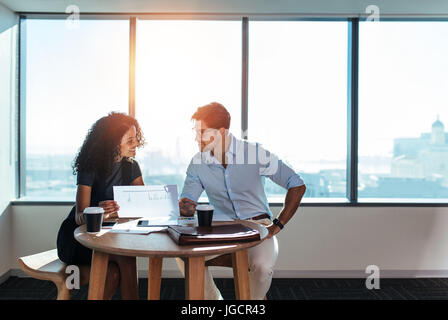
<point x="155" y="205"/>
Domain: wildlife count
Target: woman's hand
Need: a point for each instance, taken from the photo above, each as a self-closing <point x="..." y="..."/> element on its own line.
<point x="110" y="207"/>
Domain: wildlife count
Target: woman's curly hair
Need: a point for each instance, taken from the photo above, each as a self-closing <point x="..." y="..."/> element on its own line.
<point x="102" y="144"/>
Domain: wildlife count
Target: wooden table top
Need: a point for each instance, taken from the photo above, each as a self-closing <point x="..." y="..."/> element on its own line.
<point x="158" y="244"/>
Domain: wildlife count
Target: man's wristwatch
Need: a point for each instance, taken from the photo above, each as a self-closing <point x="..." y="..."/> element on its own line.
<point x="278" y="223"/>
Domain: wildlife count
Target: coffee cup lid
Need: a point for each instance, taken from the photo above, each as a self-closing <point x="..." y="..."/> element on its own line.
<point x="205" y="207"/>
<point x="93" y="210"/>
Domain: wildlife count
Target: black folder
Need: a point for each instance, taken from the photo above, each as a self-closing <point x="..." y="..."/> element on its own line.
<point x="226" y="233"/>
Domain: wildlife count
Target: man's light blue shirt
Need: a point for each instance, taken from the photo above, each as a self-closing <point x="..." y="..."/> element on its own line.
<point x="237" y="191"/>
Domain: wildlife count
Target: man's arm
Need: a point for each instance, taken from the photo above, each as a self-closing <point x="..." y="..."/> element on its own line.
<point x="292" y="202"/>
<point x="283" y="175"/>
<point x="190" y="193"/>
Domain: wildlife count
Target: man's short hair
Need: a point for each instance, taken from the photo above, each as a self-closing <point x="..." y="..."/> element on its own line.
<point x="214" y="115"/>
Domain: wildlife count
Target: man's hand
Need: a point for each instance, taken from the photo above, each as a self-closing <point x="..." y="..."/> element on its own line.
<point x="187" y="207"/>
<point x="272" y="230"/>
<point x="111" y="208"/>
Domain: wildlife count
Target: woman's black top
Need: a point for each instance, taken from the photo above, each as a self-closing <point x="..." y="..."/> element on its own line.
<point x="102" y="189"/>
<point x="123" y="173"/>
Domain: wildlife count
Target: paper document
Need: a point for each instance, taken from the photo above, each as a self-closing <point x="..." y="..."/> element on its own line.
<point x="158" y="204"/>
<point x="131" y="227"/>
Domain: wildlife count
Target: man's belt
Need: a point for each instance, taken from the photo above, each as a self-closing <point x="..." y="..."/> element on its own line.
<point x="262" y="216"/>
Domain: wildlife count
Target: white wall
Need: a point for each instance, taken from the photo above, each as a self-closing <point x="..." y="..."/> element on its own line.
<point x="318" y="241"/>
<point x="8" y="47"/>
<point x="5" y="242"/>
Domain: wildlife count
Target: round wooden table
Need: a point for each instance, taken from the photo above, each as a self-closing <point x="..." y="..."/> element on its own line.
<point x="159" y="245"/>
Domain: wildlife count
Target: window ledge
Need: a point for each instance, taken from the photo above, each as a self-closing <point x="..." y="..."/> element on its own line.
<point x="279" y="202"/>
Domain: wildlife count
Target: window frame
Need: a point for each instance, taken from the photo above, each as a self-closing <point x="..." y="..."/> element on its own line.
<point x="351" y="199"/>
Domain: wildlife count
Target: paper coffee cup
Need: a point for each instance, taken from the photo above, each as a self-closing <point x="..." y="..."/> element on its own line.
<point x="94" y="218"/>
<point x="205" y="215"/>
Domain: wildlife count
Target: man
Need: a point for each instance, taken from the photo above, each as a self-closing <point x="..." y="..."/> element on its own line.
<point x="231" y="172"/>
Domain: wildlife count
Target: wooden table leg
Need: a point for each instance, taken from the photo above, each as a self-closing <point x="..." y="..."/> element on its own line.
<point x="128" y="277"/>
<point x="154" y="278"/>
<point x="241" y="275"/>
<point x="194" y="278"/>
<point x="98" y="273"/>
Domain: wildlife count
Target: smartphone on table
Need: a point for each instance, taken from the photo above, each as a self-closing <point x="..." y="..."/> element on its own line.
<point x="108" y="224"/>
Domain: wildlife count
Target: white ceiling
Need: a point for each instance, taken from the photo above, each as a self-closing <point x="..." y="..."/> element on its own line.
<point x="339" y="7"/>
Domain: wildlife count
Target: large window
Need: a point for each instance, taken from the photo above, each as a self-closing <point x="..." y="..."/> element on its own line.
<point x="180" y="66"/>
<point x="403" y="110"/>
<point x="300" y="76"/>
<point x="298" y="100"/>
<point x="73" y="77"/>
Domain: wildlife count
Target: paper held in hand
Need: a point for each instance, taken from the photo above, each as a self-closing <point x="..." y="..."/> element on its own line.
<point x="158" y="204"/>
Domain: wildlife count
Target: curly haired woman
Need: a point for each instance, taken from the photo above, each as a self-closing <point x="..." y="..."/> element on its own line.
<point x="104" y="160"/>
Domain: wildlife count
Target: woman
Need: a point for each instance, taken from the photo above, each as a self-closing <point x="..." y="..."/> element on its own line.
<point x="104" y="160"/>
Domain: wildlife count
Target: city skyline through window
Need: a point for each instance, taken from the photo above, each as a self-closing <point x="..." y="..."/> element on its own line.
<point x="403" y="144"/>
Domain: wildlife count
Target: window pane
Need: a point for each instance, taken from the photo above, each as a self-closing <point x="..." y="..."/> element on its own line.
<point x="73" y="77"/>
<point x="182" y="65"/>
<point x="403" y="146"/>
<point x="298" y="100"/>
